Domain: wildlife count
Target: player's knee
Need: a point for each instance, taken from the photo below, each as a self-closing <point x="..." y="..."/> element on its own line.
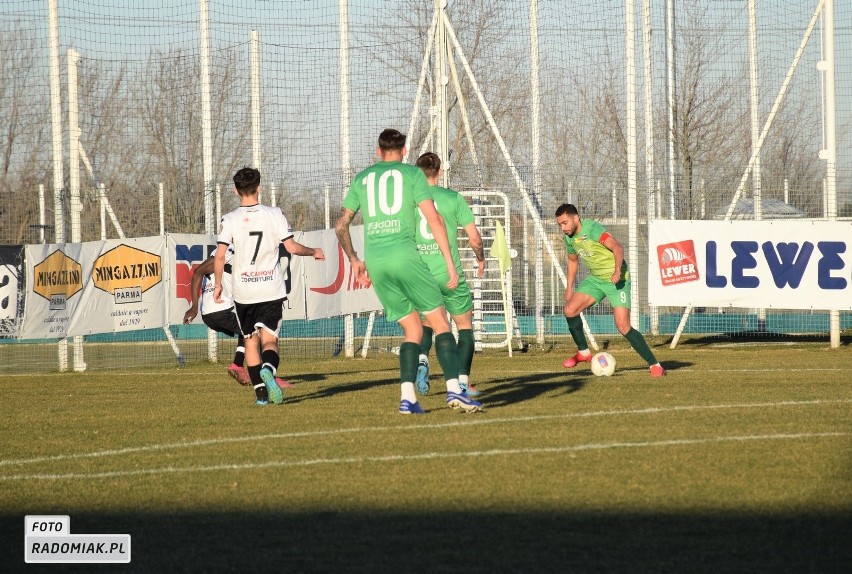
<point x="623" y="326"/>
<point x="438" y="321"/>
<point x="571" y="311"/>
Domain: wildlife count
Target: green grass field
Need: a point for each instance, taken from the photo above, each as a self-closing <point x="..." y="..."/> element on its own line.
<point x="740" y="460"/>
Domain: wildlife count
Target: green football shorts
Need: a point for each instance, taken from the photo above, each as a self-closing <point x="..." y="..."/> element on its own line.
<point x="618" y="294"/>
<point x="403" y="285"/>
<point x="458" y="301"/>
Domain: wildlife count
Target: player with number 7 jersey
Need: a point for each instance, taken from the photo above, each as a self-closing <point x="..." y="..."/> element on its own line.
<point x="256" y="232"/>
<point x="258" y="229"/>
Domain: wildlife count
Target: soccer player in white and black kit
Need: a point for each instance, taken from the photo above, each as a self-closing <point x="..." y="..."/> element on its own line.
<point x="255" y="231"/>
<point x="220" y="316"/>
<point x="217" y="316"/>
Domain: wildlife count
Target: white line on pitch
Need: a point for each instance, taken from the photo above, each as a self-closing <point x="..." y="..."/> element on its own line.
<point x="424" y="456"/>
<point x="764" y="370"/>
<point x="468" y="421"/>
<point x="680" y="370"/>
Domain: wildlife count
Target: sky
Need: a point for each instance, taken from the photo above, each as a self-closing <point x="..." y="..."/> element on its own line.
<point x="301" y="39"/>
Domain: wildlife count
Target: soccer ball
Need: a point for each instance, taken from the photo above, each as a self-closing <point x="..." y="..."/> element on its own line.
<point x="603" y="364"/>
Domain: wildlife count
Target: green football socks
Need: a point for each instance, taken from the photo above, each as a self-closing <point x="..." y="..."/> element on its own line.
<point x="448" y="355"/>
<point x="637" y="341"/>
<point x="575" y="327"/>
<point x="409" y="353"/>
<point x="465" y="347"/>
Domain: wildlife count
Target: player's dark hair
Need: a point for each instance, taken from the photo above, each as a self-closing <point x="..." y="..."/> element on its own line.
<point x="430" y="163"/>
<point x="566" y="209"/>
<point x="247" y="180"/>
<point x="390" y="139"/>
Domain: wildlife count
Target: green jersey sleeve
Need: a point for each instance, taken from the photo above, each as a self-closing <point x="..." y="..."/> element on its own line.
<point x="464" y="214"/>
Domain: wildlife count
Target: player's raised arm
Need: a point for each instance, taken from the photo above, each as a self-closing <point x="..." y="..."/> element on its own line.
<point x="439" y="232"/>
<point x="296" y="248"/>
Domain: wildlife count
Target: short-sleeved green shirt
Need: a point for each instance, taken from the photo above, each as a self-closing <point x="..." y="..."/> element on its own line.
<point x="588" y="247"/>
<point x="456" y="213"/>
<point x="387" y="194"/>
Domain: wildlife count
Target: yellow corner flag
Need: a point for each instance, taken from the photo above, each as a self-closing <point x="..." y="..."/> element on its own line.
<point x="500" y="249"/>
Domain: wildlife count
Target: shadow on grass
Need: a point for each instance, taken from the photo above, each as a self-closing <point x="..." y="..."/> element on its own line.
<point x="339" y="388"/>
<point x="377" y="542"/>
<point x="291" y="372"/>
<point x="513" y="390"/>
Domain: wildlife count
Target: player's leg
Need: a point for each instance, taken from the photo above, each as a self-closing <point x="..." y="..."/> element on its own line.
<point x="620" y="300"/>
<point x="240" y="352"/>
<point x="225" y="322"/>
<point x="253" y="351"/>
<point x="584" y="296"/>
<point x="448" y="356"/>
<point x="268" y="323"/>
<point x="269" y="360"/>
<point x="422" y="380"/>
<point x="245" y="321"/>
<point x="459" y="303"/>
<point x="387" y="278"/>
<point x="409" y="351"/>
<point x="445" y="347"/>
<point x="426" y="339"/>
<point x="465" y="346"/>
<point x="237" y="369"/>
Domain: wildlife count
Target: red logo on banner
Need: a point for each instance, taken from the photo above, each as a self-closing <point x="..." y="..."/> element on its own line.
<point x="335" y="285"/>
<point x="677" y="262"/>
<point x="187" y="258"/>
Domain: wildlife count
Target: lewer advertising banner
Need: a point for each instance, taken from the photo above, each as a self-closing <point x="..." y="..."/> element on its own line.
<point x="56" y="275"/>
<point x="125" y="290"/>
<point x="11" y="289"/>
<point x="756" y="264"/>
<point x="332" y="289"/>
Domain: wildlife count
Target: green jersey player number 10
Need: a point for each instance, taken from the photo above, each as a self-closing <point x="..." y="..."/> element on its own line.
<point x="383" y="191"/>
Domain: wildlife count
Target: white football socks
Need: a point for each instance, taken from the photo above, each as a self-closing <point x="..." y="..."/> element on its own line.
<point x="408" y="392"/>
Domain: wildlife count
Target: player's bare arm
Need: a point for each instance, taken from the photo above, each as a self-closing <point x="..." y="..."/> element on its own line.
<point x="344" y="237"/>
<point x="613" y="245"/>
<point x="475" y="240"/>
<point x="341" y="228"/>
<point x="218" y="270"/>
<point x="195" y="288"/>
<point x="439" y="233"/>
<point x="571" y="275"/>
<point x="296" y="248"/>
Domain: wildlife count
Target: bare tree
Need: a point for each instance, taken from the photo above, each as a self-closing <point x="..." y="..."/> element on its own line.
<point x="712" y="131"/>
<point x="710" y="121"/>
<point x="169" y="112"/>
<point x="484" y="31"/>
<point x="24" y="137"/>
